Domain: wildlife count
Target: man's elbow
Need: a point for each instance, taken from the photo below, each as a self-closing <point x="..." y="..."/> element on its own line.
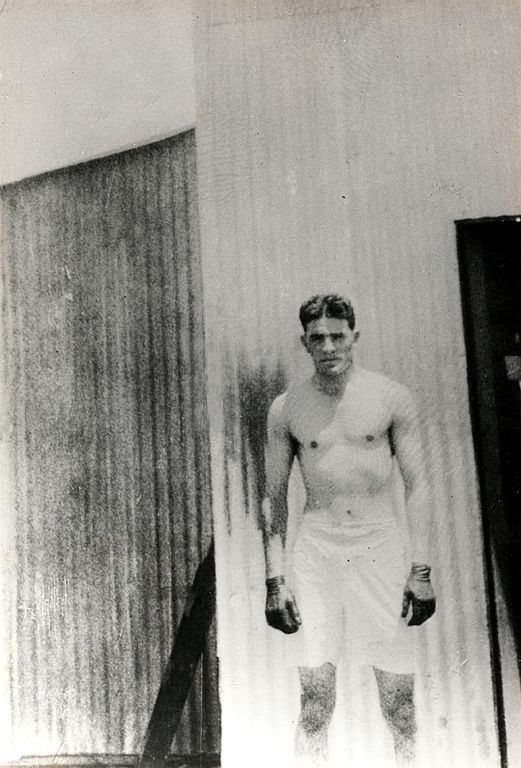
<point x="408" y="482"/>
<point x="411" y="483"/>
<point x="416" y="490"/>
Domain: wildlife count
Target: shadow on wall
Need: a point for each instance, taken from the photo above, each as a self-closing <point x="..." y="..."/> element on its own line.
<point x="249" y="392"/>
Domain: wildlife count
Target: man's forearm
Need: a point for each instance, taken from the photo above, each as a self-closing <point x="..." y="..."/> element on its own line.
<point x="274" y="556"/>
<point x="274" y="524"/>
<point x="419" y="524"/>
<point x="418" y="595"/>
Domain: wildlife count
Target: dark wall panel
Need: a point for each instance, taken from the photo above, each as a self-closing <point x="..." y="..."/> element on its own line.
<point x="105" y="371"/>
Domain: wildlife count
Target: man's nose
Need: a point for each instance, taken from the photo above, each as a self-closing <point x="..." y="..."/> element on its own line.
<point x="328" y="344"/>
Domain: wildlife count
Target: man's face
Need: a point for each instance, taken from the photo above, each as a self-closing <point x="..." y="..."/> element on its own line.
<point x="330" y="343"/>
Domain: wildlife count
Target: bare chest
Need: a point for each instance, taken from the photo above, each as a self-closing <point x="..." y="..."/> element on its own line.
<point x="362" y="418"/>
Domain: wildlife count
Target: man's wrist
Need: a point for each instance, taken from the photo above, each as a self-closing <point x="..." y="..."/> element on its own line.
<point x="274" y="583"/>
<point x="421" y="571"/>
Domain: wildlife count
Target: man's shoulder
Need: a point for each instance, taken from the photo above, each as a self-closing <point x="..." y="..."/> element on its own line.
<point x="290" y="405"/>
<point x="378" y="379"/>
<point x="277" y="405"/>
<point x="297" y="390"/>
<point x="390" y="389"/>
<point x="284" y="407"/>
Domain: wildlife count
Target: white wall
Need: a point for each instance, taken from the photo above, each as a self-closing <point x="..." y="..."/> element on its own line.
<point x="85" y="78"/>
<point x="338" y="142"/>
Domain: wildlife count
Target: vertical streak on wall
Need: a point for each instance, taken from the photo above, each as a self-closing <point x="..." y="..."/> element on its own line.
<point x="106" y="376"/>
<point x="337" y="144"/>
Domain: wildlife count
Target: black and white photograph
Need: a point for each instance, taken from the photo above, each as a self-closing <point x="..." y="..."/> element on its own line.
<point x="260" y="384"/>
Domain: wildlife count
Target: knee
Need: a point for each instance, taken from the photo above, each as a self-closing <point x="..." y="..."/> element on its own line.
<point x="398" y="710"/>
<point x="316" y="712"/>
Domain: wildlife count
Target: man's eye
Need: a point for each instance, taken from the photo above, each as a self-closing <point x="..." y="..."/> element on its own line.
<point x="337" y="336"/>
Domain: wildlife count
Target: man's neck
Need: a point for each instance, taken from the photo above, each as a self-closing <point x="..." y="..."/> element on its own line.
<point x="334" y="386"/>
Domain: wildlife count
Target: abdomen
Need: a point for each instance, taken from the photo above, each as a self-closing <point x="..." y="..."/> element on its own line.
<point x="345" y="470"/>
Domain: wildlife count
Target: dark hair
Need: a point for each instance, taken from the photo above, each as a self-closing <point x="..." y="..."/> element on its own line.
<point x="327" y="305"/>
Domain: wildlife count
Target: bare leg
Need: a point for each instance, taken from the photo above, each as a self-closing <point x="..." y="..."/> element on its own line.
<point x="397" y="703"/>
<point x="317" y="702"/>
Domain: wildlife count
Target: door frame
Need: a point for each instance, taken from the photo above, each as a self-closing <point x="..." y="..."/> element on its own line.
<point x="473" y="242"/>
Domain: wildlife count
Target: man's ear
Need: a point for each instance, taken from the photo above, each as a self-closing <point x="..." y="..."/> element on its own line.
<point x="304" y="341"/>
<point x="357" y="335"/>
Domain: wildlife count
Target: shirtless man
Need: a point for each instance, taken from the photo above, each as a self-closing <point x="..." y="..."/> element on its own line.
<point x="347" y="591"/>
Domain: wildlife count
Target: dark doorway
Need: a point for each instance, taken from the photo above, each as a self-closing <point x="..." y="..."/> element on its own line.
<point x="490" y="271"/>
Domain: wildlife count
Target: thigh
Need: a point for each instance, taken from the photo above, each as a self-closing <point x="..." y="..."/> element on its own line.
<point x="374" y="627"/>
<point x="317" y="592"/>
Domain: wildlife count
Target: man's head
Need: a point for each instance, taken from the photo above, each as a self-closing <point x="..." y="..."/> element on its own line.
<point x="329" y="333"/>
<point x="327" y="305"/>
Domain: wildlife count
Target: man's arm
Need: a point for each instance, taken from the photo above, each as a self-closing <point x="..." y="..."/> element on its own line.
<point x="406" y="439"/>
<point x="281" y="610"/>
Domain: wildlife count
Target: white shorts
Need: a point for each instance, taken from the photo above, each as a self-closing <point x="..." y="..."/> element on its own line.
<point x="348" y="580"/>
